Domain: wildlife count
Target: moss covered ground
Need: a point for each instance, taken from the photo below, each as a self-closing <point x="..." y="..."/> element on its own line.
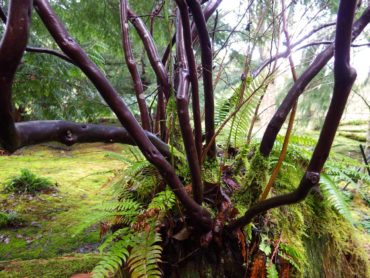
<point x="53" y="225"/>
<point x="50" y="237"/>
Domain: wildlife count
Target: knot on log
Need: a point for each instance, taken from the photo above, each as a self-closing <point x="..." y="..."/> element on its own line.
<point x="313" y="177"/>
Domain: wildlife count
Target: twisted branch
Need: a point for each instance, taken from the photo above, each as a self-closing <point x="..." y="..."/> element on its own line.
<point x="131" y="65"/>
<point x="12" y="47"/>
<point x="69" y="133"/>
<point x="151" y="51"/>
<point x="344" y="77"/>
<point x="292" y="96"/>
<point x="32" y="49"/>
<point x="118" y="106"/>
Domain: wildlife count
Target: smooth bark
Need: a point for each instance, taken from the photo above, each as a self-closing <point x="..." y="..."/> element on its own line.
<point x="182" y="103"/>
<point x="69" y="46"/>
<point x="69" y="133"/>
<point x="207" y="60"/>
<point x="151" y="51"/>
<point x="132" y="67"/>
<point x="207" y="11"/>
<point x="186" y="28"/>
<point x="12" y="47"/>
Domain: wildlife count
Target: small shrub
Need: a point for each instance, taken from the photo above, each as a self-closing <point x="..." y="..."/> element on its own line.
<point x="8" y="219"/>
<point x="28" y="183"/>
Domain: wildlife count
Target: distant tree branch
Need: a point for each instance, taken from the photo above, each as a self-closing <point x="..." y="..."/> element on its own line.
<point x="285" y="54"/>
<point x="53" y="52"/>
<point x="344" y="77"/>
<point x="292" y="96"/>
<point x="2" y="15"/>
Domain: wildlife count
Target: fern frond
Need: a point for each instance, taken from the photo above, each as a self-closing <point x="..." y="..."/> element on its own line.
<point x="145" y="255"/>
<point x="235" y="131"/>
<point x="293" y="256"/>
<point x="271" y="270"/>
<point x="335" y="196"/>
<point x="119" y="157"/>
<point x="163" y="201"/>
<point x="112" y="261"/>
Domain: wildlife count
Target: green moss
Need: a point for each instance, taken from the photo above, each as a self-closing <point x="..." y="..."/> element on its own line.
<point x="54" y="224"/>
<point x="52" y="268"/>
<point x="354" y="122"/>
<point x="315" y="239"/>
<point x="254" y="181"/>
<point x="211" y="171"/>
<point x="312" y="236"/>
<point x="354" y="136"/>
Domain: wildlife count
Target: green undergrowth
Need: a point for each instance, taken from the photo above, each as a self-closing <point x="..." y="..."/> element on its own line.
<point x="51" y="268"/>
<point x="53" y="224"/>
<point x="319" y="236"/>
<point x="316" y="239"/>
<point x="27" y="182"/>
<point x="9" y="219"/>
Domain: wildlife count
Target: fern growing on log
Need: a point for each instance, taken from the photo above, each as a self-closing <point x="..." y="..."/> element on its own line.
<point x="335" y="196"/>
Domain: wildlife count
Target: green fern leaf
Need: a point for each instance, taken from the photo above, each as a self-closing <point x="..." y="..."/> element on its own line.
<point x="271" y="270"/>
<point x="335" y="196"/>
<point x="145" y="255"/>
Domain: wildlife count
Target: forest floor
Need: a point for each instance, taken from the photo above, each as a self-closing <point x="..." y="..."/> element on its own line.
<point x="52" y="238"/>
<point x="53" y="226"/>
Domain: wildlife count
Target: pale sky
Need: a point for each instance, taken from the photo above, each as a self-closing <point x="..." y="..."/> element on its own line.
<point x="360" y="56"/>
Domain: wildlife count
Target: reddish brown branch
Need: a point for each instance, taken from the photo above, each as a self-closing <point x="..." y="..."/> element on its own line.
<point x="131" y="64"/>
<point x="32" y="49"/>
<point x="182" y="102"/>
<point x="161" y="115"/>
<point x="286" y="53"/>
<point x="292" y="96"/>
<point x="208" y="11"/>
<point x="69" y="133"/>
<point x="151" y="153"/>
<point x="344" y="77"/>
<point x="155" y="13"/>
<point x="207" y="59"/>
<point x="151" y="51"/>
<point x="192" y="75"/>
<point x="12" y="47"/>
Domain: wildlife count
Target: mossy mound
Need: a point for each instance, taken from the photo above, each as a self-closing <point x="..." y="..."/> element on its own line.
<point x="308" y="239"/>
<point x="28" y="183"/>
